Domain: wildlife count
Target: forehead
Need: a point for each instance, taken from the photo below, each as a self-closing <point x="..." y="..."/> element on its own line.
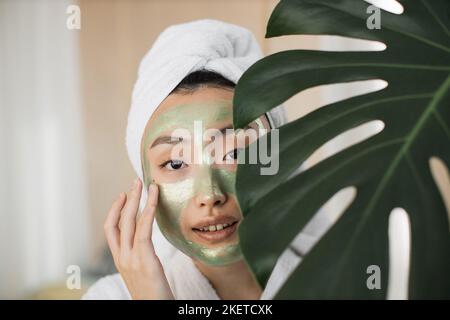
<point x="199" y="96"/>
<point x="211" y="106"/>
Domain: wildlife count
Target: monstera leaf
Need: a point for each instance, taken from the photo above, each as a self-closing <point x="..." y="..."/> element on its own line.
<point x="389" y="170"/>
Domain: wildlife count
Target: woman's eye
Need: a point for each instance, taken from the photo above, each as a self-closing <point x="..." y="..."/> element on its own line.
<point x="232" y="155"/>
<point x="174" y="165"/>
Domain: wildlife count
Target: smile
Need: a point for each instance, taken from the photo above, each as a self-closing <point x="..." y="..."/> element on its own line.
<point x="216" y="233"/>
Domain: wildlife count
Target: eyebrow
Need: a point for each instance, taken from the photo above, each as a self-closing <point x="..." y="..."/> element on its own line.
<point x="166" y="140"/>
<point x="175" y="140"/>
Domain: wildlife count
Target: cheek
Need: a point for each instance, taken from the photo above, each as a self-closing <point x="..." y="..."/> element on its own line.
<point x="174" y="197"/>
<point x="177" y="210"/>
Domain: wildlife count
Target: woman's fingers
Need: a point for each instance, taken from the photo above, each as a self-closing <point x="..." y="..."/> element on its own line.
<point x="143" y="237"/>
<point x="140" y="268"/>
<point x="111" y="225"/>
<point x="127" y="222"/>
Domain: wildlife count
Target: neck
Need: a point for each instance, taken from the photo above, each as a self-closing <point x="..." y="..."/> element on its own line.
<point x="231" y="282"/>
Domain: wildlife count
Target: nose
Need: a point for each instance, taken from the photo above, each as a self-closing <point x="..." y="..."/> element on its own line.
<point x="208" y="190"/>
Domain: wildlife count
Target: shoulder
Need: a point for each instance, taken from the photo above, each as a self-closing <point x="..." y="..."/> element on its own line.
<point x="111" y="287"/>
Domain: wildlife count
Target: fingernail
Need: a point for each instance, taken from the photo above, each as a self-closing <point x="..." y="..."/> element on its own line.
<point x="135" y="183"/>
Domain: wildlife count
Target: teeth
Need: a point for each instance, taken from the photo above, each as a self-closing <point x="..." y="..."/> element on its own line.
<point x="217" y="227"/>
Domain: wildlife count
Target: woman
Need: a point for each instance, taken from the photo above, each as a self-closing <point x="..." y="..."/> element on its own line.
<point x="184" y="88"/>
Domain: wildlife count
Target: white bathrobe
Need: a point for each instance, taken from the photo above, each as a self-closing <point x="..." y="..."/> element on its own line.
<point x="187" y="282"/>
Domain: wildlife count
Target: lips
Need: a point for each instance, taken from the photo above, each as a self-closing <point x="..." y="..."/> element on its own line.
<point x="213" y="234"/>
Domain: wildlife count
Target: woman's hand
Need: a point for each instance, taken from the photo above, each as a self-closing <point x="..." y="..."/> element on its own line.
<point x="130" y="242"/>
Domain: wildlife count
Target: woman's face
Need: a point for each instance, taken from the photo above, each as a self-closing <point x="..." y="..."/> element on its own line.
<point x="187" y="151"/>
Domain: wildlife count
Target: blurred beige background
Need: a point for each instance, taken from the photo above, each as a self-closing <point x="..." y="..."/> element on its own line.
<point x="64" y="99"/>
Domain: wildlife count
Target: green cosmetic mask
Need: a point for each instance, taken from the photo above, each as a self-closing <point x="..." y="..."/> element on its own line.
<point x="174" y="197"/>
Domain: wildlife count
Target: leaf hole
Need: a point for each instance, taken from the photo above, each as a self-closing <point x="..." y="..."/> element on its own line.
<point x="316" y="97"/>
<point x="399" y="254"/>
<point x="340" y="43"/>
<point x="319" y="224"/>
<point x="323" y="220"/>
<point x="391" y="6"/>
<point x="441" y="177"/>
<point x="343" y="141"/>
